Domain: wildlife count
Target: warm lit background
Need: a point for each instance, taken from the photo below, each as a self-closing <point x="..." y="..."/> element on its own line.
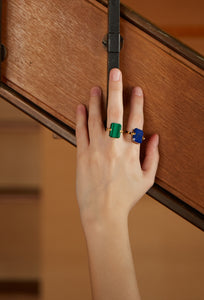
<point x="42" y="247"/>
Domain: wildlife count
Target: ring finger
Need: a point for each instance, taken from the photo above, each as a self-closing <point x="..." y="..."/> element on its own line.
<point x="136" y="116"/>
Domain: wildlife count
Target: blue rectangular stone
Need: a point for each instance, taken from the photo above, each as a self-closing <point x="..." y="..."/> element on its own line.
<point x="137" y="137"/>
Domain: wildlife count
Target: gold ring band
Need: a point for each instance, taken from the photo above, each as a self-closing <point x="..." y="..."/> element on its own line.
<point x="109" y="129"/>
<point x="133" y="133"/>
<point x="125" y="131"/>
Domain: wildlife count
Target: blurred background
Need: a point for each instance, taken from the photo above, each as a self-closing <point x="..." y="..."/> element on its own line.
<point x="42" y="247"/>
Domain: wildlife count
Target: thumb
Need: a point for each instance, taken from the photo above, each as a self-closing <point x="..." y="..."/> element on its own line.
<point x="151" y="160"/>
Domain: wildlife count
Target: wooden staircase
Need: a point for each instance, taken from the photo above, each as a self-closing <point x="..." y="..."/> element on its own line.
<point x="51" y="51"/>
<point x="43" y="71"/>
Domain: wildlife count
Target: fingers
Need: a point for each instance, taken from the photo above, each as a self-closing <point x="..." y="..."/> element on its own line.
<point x="95" y="123"/>
<point x="115" y="98"/>
<point x="151" y="160"/>
<point x="136" y="116"/>
<point x="81" y="129"/>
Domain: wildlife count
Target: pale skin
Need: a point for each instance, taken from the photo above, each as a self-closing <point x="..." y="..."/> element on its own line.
<point x="110" y="180"/>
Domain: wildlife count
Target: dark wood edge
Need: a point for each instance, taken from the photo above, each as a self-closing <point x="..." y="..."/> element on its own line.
<point x="160" y="35"/>
<point x="67" y="133"/>
<point x="16" y="191"/>
<point x="31" y="287"/>
<point x="0" y="35"/>
<point x="37" y="113"/>
<point x="178" y="206"/>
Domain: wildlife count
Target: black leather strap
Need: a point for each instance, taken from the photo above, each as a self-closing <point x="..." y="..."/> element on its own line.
<point x="113" y="34"/>
<point x="1" y="55"/>
<point x="114" y="39"/>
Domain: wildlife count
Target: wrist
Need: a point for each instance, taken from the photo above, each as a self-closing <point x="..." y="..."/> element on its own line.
<point x="103" y="225"/>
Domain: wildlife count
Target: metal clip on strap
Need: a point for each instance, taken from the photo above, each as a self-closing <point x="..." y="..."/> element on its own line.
<point x="113" y="40"/>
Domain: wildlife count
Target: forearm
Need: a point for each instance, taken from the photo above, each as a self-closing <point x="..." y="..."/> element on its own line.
<point x="110" y="261"/>
<point x="111" y="179"/>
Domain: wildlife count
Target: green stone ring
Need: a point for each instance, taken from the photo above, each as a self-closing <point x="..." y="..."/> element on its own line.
<point x="115" y="130"/>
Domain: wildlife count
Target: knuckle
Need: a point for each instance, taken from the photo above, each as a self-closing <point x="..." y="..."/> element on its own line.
<point x="95" y="157"/>
<point x="113" y="151"/>
<point x="115" y="113"/>
<point x="138" y="119"/>
<point x="92" y="101"/>
<point x="115" y="86"/>
<point x="131" y="156"/>
<point x="81" y="157"/>
<point x="93" y="120"/>
<point x="150" y="181"/>
<point x="78" y="131"/>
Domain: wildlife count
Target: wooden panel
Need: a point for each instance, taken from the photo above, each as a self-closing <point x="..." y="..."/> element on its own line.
<point x="167" y="250"/>
<point x="64" y="260"/>
<point x="55" y="56"/>
<point x="19" y="297"/>
<point x="19" y="151"/>
<point x="20" y="238"/>
<point x="195" y="42"/>
<point x="19" y="159"/>
<point x="182" y="19"/>
<point x="170" y="13"/>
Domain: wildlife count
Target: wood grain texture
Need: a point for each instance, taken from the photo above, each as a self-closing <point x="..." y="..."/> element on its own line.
<point x="55" y="55"/>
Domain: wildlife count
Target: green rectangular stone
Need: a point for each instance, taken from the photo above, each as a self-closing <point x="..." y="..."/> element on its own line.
<point x="115" y="132"/>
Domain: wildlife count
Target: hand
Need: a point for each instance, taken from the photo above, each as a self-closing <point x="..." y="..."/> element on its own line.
<point x="110" y="179"/>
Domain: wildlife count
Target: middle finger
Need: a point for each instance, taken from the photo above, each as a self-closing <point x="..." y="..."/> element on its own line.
<point x="115" y="98"/>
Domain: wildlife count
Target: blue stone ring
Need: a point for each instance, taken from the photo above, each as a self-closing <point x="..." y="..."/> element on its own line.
<point x="137" y="135"/>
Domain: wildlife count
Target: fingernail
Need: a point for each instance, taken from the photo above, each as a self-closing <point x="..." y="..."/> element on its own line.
<point x="157" y="141"/>
<point x="138" y="91"/>
<point x="79" y="108"/>
<point x="115" y="74"/>
<point x="96" y="91"/>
